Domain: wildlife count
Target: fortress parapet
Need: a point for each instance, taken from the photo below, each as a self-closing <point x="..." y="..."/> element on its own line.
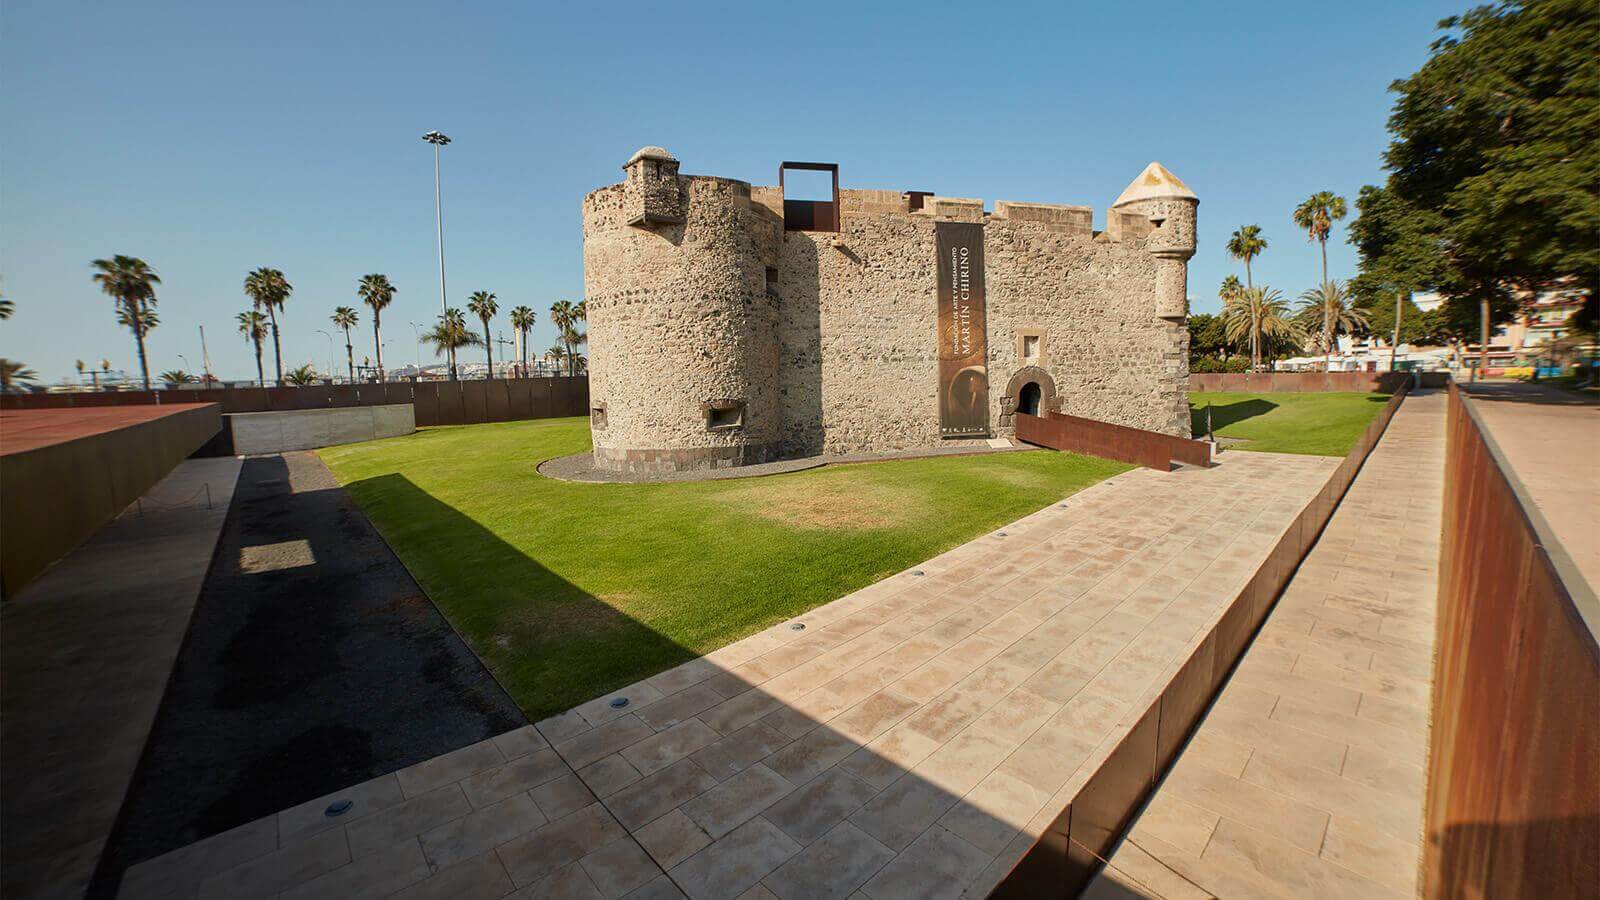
<point x="728" y="325"/>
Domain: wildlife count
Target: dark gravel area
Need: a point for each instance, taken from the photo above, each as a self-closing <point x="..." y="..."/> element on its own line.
<point x="313" y="662"/>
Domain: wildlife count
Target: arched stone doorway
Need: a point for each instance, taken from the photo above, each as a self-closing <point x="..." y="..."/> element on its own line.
<point x="1031" y="391"/>
<point x="1028" y="398"/>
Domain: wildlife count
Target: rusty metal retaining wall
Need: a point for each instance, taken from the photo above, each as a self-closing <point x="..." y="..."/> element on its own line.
<point x="1513" y="804"/>
<point x="1309" y="382"/>
<point x="1066" y="857"/>
<point x="1076" y="434"/>
<point x="54" y="497"/>
<point x="437" y="402"/>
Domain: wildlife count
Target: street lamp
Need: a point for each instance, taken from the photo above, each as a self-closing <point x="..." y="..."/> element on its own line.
<point x="438" y="140"/>
<point x="417" y="329"/>
<point x="330" y="351"/>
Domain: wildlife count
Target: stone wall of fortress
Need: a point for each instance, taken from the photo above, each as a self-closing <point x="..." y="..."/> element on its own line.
<point x="721" y="339"/>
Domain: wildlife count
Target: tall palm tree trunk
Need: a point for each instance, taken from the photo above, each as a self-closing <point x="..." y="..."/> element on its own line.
<point x="138" y="338"/>
<point x="1247" y="282"/>
<point x="377" y="341"/>
<point x="350" y="355"/>
<point x="488" y="347"/>
<point x="277" y="349"/>
<point x="1324" y="242"/>
<point x="261" y="378"/>
<point x="452" y="359"/>
<point x="524" y="353"/>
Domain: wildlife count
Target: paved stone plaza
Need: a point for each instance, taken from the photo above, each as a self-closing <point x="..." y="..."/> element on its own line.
<point x="910" y="741"/>
<point x="1306" y="777"/>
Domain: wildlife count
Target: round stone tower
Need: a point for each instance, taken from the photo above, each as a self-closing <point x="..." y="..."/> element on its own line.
<point x="683" y="331"/>
<point x="1167" y="202"/>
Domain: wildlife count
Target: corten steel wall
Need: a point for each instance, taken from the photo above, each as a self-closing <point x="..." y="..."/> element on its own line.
<point x="54" y="497"/>
<point x="1070" y="851"/>
<point x="1309" y="382"/>
<point x="1076" y="434"/>
<point x="437" y="402"/>
<point x="1513" y="804"/>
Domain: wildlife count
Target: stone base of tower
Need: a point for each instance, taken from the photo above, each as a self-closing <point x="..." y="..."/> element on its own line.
<point x="687" y="459"/>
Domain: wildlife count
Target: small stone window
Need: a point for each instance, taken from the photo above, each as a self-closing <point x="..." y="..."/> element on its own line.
<point x="597" y="416"/>
<point x="772" y="280"/>
<point x="723" y="415"/>
<point x="1030" y="345"/>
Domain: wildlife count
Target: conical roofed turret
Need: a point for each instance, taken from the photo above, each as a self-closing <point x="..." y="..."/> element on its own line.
<point x="1156" y="182"/>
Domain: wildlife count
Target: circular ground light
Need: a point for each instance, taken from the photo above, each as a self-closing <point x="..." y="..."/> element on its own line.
<point x="798" y="626"/>
<point x="619" y="702"/>
<point x="337" y="808"/>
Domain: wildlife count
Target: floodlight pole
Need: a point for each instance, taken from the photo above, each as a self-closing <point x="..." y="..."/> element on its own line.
<point x="438" y="140"/>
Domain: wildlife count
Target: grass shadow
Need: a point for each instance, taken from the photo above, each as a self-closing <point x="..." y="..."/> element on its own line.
<point x="1224" y="414"/>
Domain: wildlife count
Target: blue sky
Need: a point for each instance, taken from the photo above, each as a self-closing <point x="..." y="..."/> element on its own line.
<point x="213" y="138"/>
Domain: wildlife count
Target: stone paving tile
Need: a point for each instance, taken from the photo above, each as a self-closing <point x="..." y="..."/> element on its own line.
<point x="267" y="875"/>
<point x="609" y="775"/>
<point x="562" y="796"/>
<point x="480" y="876"/>
<point x="521" y="774"/>
<point x="833" y="866"/>
<point x="533" y="856"/>
<point x="672" y="838"/>
<point x="481" y="830"/>
<point x="737" y="800"/>
<point x="619" y="868"/>
<point x="912" y="737"/>
<point x="408" y="819"/>
<point x="734" y="863"/>
<point x="814" y="809"/>
<point x="379" y="874"/>
<point x="449" y="768"/>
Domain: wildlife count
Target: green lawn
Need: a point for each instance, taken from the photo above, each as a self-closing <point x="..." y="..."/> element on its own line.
<point x="1316" y="424"/>
<point x="570" y="590"/>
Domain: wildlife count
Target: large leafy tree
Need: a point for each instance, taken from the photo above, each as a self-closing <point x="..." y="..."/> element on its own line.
<point x="1493" y="163"/>
<point x="345" y="317"/>
<point x="1246" y="243"/>
<point x="376" y="292"/>
<point x="253" y="325"/>
<point x="269" y="291"/>
<point x="1315" y="215"/>
<point x="484" y="305"/>
<point x="132" y="283"/>
<point x="523" y="318"/>
<point x="449" y="335"/>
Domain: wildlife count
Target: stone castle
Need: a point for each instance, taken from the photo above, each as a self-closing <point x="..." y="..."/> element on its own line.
<point x="729" y="325"/>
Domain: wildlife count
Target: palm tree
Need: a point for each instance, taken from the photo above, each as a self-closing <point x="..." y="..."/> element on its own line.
<point x="564" y="313"/>
<point x="523" y="319"/>
<point x="1230" y="286"/>
<point x="302" y="376"/>
<point x="346" y="317"/>
<point x="269" y="290"/>
<point x="253" y="325"/>
<point x="484" y="305"/>
<point x="555" y="356"/>
<point x="1330" y="311"/>
<point x="6" y="308"/>
<point x="1316" y="216"/>
<point x="132" y="282"/>
<point x="177" y="376"/>
<point x="13" y="374"/>
<point x="450" y="334"/>
<point x="1247" y="243"/>
<point x="377" y="292"/>
<point x="1257" y="314"/>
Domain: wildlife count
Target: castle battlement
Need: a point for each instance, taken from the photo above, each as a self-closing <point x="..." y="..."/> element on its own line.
<point x="729" y="324"/>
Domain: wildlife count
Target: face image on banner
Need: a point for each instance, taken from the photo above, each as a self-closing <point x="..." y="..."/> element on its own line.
<point x="963" y="331"/>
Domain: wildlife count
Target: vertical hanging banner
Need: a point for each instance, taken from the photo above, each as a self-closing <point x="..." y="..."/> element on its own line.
<point x="963" y="331"/>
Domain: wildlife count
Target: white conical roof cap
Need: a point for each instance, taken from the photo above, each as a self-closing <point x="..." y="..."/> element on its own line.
<point x="1156" y="181"/>
<point x="650" y="152"/>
